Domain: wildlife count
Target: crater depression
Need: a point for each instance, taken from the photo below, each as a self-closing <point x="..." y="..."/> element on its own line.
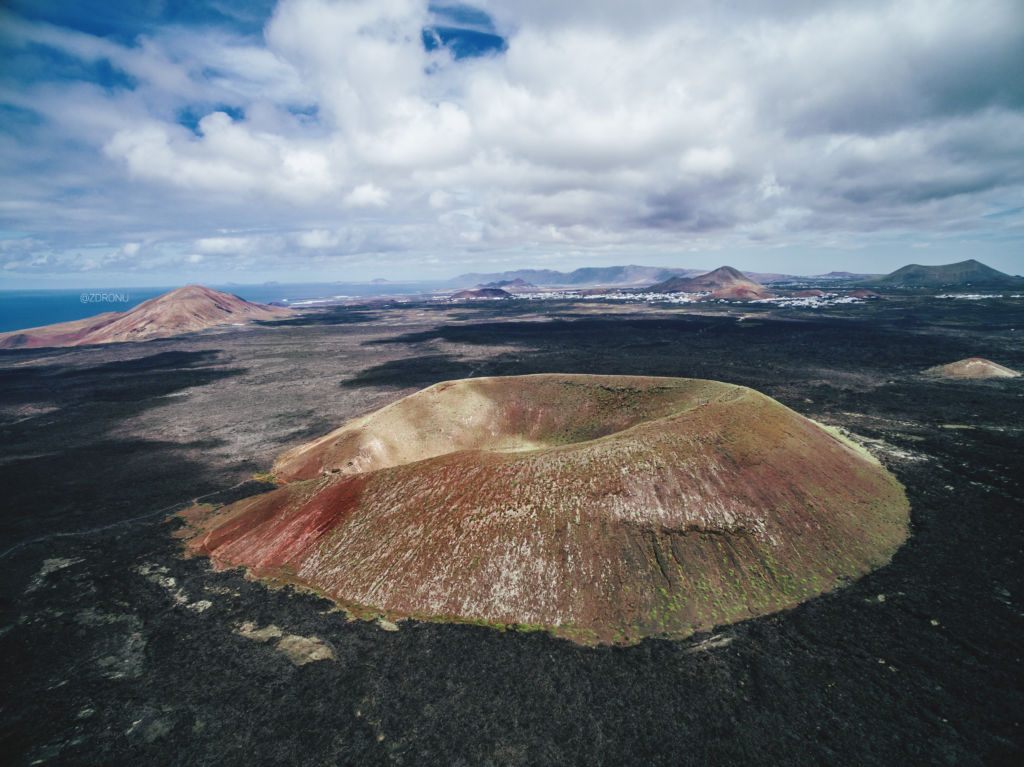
<point x="602" y="508"/>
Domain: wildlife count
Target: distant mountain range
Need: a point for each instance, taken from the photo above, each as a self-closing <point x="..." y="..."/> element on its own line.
<point x="768" y="277"/>
<point x="622" y="276"/>
<point x="631" y="276"/>
<point x="965" y="273"/>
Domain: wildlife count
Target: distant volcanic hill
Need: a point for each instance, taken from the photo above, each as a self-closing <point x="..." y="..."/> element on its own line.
<point x="965" y="273"/>
<point x="844" y="276"/>
<point x="602" y="508"/>
<point x="180" y="311"/>
<point x="516" y="284"/>
<point x="723" y="282"/>
<point x="972" y="367"/>
<point x="482" y="293"/>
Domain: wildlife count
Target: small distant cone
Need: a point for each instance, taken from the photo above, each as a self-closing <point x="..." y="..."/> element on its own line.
<point x="972" y="367"/>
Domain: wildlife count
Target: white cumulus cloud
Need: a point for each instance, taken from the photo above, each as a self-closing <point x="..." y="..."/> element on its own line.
<point x="619" y="129"/>
<point x="367" y="196"/>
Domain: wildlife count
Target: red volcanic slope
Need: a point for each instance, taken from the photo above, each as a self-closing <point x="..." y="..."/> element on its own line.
<point x="180" y="311"/>
<point x="602" y="508"/>
<point x="972" y="367"/>
<point x="741" y="291"/>
<point x="723" y="282"/>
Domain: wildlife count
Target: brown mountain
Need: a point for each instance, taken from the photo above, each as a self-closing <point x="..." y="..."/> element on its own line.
<point x="180" y="311"/>
<point x="723" y="282"/>
<point x="602" y="508"/>
<point x="483" y="293"/>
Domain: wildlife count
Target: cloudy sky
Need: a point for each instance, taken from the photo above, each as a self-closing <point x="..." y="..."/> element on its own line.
<point x="169" y="141"/>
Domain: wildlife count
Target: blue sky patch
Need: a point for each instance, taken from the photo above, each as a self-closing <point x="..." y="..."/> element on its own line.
<point x="1005" y="213"/>
<point x="463" y="43"/>
<point x="462" y="16"/>
<point x="18" y="120"/>
<point x="124" y="22"/>
<point x="35" y="63"/>
<point x="466" y="31"/>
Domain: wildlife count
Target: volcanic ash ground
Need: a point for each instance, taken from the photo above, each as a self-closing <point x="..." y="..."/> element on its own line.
<point x="602" y="508"/>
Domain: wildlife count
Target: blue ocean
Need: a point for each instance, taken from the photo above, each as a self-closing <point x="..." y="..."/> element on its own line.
<point x="32" y="308"/>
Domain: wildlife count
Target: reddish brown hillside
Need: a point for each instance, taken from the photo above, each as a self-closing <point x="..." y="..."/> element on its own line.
<point x="603" y="508"/>
<point x="741" y="291"/>
<point x="60" y="334"/>
<point x="180" y="311"/>
<point x="723" y="282"/>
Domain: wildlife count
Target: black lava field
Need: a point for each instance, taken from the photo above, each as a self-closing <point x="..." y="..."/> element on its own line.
<point x="114" y="649"/>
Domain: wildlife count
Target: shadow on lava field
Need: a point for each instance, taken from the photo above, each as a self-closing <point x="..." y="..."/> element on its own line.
<point x="62" y="467"/>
